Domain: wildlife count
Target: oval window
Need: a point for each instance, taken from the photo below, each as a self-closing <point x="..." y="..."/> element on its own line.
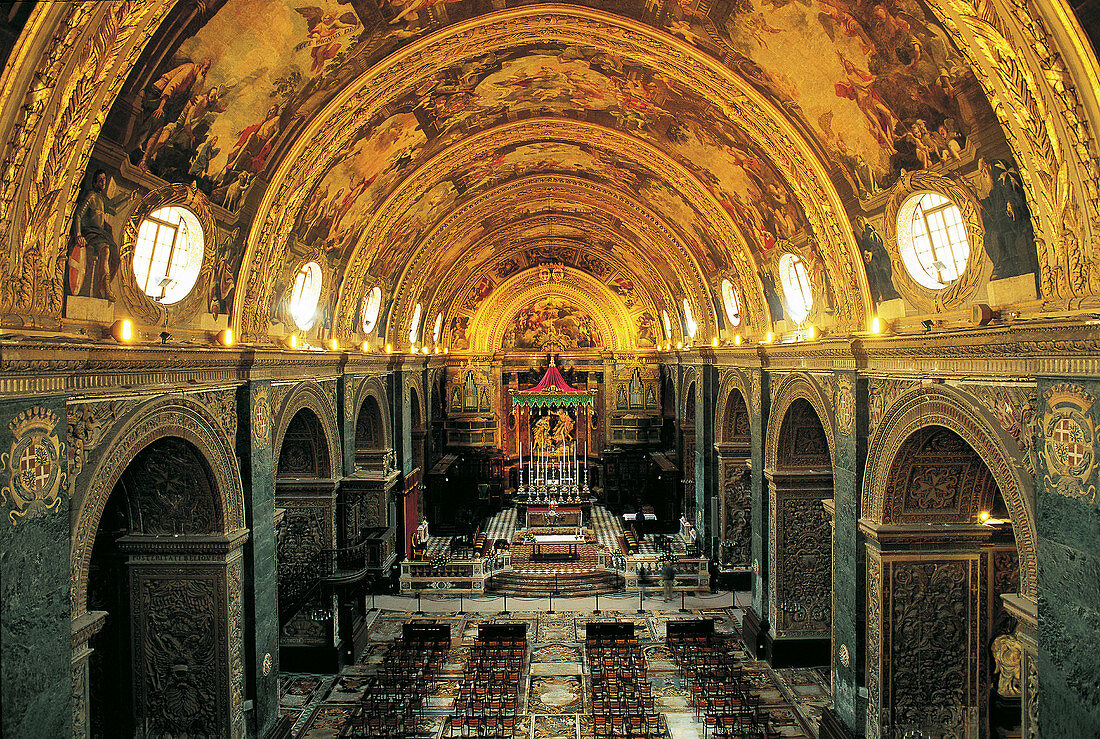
<point x="305" y="294"/>
<point x="667" y="323"/>
<point x="796" y="287"/>
<point x="932" y="240"/>
<point x="371" y="305"/>
<point x="168" y="253"/>
<point x="731" y="303"/>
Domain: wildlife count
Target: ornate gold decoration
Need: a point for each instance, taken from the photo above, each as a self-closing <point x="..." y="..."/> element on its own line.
<point x="261" y="416"/>
<point x="141" y="305"/>
<point x="316" y="398"/>
<point x="1008" y="656"/>
<point x="794" y="386"/>
<point x="35" y="464"/>
<point x="67" y="79"/>
<point x="494" y="317"/>
<point x="330" y="132"/>
<point x="845" y="406"/>
<point x="1069" y="442"/>
<point x="978" y="267"/>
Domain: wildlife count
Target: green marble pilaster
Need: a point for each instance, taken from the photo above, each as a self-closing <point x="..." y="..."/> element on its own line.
<point x="1068" y="553"/>
<point x="261" y="604"/>
<point x="706" y="458"/>
<point x="36" y="670"/>
<point x="849" y="570"/>
<point x="759" y="407"/>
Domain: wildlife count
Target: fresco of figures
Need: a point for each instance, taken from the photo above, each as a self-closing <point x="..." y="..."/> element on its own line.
<point x="550" y="323"/>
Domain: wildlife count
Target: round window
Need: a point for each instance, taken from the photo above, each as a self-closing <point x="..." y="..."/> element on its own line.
<point x="731" y="303"/>
<point x="689" y="319"/>
<point x="932" y="240"/>
<point x="168" y="253"/>
<point x="305" y="294"/>
<point x="414" y="325"/>
<point x="371" y="305"/>
<point x="796" y="287"/>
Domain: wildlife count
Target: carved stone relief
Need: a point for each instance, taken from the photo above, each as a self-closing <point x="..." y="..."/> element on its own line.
<point x="736" y="546"/>
<point x="803" y="568"/>
<point x="1014" y="408"/>
<point x="882" y="393"/>
<point x="169" y="491"/>
<point x="930" y="646"/>
<point x="176" y="636"/>
<point x="88" y="424"/>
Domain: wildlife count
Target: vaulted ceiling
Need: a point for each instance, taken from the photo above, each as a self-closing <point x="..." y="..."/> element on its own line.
<point x="475" y="159"/>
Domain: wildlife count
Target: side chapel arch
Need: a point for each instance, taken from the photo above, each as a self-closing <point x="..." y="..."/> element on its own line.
<point x="169" y="416"/>
<point x="795" y="386"/>
<point x="374" y="391"/>
<point x="311" y="396"/>
<point x="938" y="405"/>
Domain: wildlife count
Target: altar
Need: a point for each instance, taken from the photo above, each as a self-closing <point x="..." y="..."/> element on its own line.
<point x="556" y="546"/>
<point x="548" y="515"/>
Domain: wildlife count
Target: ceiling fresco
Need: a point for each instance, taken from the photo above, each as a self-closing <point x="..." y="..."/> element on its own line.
<point x="408" y="145"/>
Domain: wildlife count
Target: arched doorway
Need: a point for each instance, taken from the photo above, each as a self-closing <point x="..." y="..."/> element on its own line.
<point x="799" y="570"/>
<point x="167" y="661"/>
<point x="937" y="564"/>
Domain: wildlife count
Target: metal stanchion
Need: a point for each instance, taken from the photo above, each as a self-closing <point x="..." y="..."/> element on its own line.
<point x="461" y="609"/>
<point x="641" y="594"/>
<point x="682" y="608"/>
<point x="418" y="611"/>
<point x="597" y="602"/>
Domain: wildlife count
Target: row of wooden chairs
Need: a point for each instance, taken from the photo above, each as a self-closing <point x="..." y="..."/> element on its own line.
<point x="487" y="704"/>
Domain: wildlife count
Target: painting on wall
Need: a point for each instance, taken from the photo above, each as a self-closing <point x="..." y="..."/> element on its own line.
<point x="550" y="324"/>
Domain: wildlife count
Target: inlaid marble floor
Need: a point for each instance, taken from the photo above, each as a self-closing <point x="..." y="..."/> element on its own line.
<point x="555" y="690"/>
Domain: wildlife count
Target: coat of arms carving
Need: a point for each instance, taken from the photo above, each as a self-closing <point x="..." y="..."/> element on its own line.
<point x="1069" y="437"/>
<point x="35" y="464"/>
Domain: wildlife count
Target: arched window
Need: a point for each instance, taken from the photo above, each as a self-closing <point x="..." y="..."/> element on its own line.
<point x="305" y="294"/>
<point x="371" y="305"/>
<point x="932" y="240"/>
<point x="731" y="303"/>
<point x="796" y="287"/>
<point x="414" y="325"/>
<point x="689" y="320"/>
<point x="168" y="253"/>
<point x="438" y="329"/>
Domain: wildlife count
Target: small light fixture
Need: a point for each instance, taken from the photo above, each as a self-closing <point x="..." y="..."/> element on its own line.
<point x="365" y="347"/>
<point x="879" y="325"/>
<point x="810" y="333"/>
<point x="334" y="344"/>
<point x="389" y="349"/>
<point x="679" y="345"/>
<point x="768" y="338"/>
<point x="927" y="324"/>
<point x="737" y="340"/>
<point x="226" y="338"/>
<point x="982" y="314"/>
<point x="426" y="350"/>
<point x="123" y="331"/>
<point x="291" y="341"/>
<point x="983" y="516"/>
<point x="446" y="350"/>
<point x="714" y="341"/>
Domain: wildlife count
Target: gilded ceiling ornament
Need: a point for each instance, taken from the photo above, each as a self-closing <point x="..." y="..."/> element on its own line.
<point x="636" y="43"/>
<point x="35" y="465"/>
<point x="845" y="406"/>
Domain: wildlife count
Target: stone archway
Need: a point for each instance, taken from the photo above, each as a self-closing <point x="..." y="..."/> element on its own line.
<point x="934" y="465"/>
<point x="164" y="571"/>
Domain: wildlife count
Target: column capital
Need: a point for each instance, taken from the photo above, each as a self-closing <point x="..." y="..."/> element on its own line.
<point x="910" y="536"/>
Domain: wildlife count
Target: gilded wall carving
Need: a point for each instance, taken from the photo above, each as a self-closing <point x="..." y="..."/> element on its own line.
<point x="318" y="399"/>
<point x="874" y="645"/>
<point x="735" y="494"/>
<point x="794" y="387"/>
<point x="1069" y="441"/>
<point x="1014" y="408"/>
<point x="88" y="424"/>
<point x="936" y="405"/>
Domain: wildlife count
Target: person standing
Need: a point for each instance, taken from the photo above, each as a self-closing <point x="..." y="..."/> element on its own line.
<point x="668" y="578"/>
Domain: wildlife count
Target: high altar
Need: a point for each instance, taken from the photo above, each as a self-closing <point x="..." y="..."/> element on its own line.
<point x="553" y="462"/>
